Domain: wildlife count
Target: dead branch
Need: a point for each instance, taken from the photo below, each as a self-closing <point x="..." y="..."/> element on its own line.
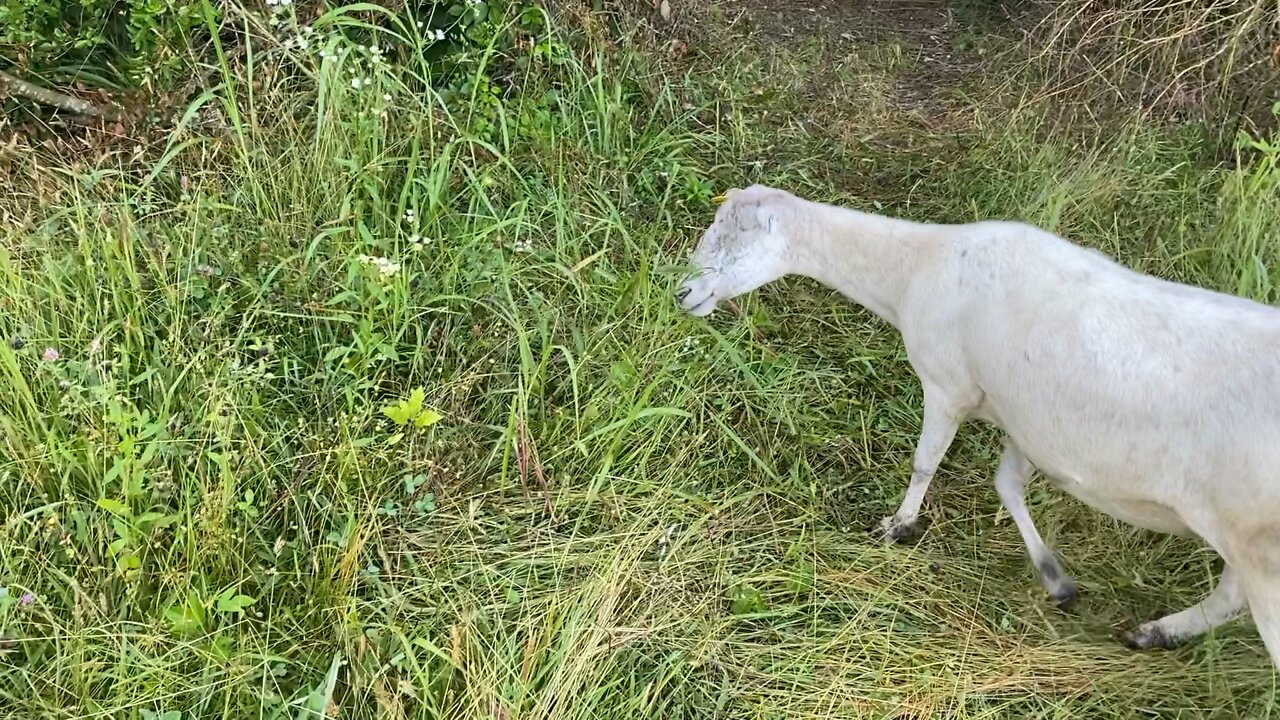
<point x="17" y="87"/>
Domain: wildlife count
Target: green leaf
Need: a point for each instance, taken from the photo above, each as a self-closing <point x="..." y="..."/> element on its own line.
<point x="747" y="601"/>
<point x="235" y="603"/>
<point x="427" y="418"/>
<point x="405" y="410"/>
<point x="187" y="617"/>
<point x="122" y="529"/>
<point x="155" y="520"/>
<point x="412" y="409"/>
<point x="115" y="507"/>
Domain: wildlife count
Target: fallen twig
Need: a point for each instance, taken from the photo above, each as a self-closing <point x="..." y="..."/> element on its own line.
<point x="14" y="86"/>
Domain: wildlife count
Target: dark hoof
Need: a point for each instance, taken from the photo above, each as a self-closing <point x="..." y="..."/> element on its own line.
<point x="1148" y="636"/>
<point x="1061" y="588"/>
<point x="889" y="531"/>
<point x="1065" y="595"/>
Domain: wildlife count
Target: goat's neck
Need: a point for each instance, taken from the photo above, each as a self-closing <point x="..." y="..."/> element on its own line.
<point x="870" y="259"/>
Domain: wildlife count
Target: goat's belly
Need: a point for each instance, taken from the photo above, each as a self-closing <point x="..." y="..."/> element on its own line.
<point x="1145" y="514"/>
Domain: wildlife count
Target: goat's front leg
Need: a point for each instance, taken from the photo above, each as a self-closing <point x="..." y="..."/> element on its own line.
<point x="1225" y="603"/>
<point x="936" y="433"/>
<point x="1011" y="483"/>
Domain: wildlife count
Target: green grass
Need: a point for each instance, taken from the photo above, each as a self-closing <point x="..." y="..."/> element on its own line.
<point x="622" y="511"/>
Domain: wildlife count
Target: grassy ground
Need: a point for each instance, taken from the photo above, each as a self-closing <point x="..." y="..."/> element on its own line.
<point x="620" y="511"/>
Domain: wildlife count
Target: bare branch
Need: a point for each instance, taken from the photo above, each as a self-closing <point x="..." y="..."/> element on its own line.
<point x="17" y="87"/>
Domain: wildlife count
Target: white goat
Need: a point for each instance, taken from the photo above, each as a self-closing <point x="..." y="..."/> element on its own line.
<point x="1154" y="402"/>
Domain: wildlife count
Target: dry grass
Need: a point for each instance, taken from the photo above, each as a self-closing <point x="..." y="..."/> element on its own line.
<point x="1191" y="59"/>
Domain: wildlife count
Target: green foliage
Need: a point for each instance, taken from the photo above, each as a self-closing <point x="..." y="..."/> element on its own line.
<point x="224" y="493"/>
<point x="412" y="410"/>
<point x="139" y="42"/>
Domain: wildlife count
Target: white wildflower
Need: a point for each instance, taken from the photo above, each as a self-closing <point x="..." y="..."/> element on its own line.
<point x="386" y="268"/>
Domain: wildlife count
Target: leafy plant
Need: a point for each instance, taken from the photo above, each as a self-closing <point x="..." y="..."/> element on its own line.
<point x="145" y="39"/>
<point x="411" y="409"/>
<point x="132" y="531"/>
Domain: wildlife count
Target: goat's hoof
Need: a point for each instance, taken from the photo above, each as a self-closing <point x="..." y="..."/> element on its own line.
<point x="891" y="530"/>
<point x="1065" y="594"/>
<point x="1149" y="636"/>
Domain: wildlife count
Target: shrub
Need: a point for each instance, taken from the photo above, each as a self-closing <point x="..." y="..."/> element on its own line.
<point x="133" y="43"/>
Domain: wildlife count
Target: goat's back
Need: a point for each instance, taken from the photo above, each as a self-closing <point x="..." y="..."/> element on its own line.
<point x="1102" y="374"/>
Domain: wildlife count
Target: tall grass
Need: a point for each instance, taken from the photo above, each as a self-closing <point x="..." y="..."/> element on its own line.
<point x="1208" y="61"/>
<point x="622" y="511"/>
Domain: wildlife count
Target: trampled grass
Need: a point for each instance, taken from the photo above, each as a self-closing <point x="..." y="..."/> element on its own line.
<point x="621" y="511"/>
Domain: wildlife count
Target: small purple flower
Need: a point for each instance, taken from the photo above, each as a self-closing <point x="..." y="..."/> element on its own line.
<point x="51" y="355"/>
<point x="27" y="599"/>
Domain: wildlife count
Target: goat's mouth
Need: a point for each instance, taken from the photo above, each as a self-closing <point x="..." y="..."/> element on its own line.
<point x="699" y="306"/>
<point x="703" y="308"/>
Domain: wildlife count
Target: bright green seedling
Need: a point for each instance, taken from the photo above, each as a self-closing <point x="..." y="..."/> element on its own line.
<point x="412" y="410"/>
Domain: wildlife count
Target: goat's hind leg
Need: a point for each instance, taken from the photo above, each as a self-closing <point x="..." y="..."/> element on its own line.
<point x="1011" y="482"/>
<point x="1221" y="606"/>
<point x="1260" y="578"/>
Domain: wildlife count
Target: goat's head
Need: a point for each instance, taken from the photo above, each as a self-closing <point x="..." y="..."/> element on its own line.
<point x="745" y="247"/>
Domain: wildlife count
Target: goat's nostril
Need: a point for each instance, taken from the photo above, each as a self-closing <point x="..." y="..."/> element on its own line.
<point x="682" y="293"/>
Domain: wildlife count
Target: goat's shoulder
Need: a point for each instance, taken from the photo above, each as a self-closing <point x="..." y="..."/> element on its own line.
<point x="1022" y="249"/>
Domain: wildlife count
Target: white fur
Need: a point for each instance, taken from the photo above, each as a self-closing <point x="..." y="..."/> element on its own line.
<point x="1154" y="402"/>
